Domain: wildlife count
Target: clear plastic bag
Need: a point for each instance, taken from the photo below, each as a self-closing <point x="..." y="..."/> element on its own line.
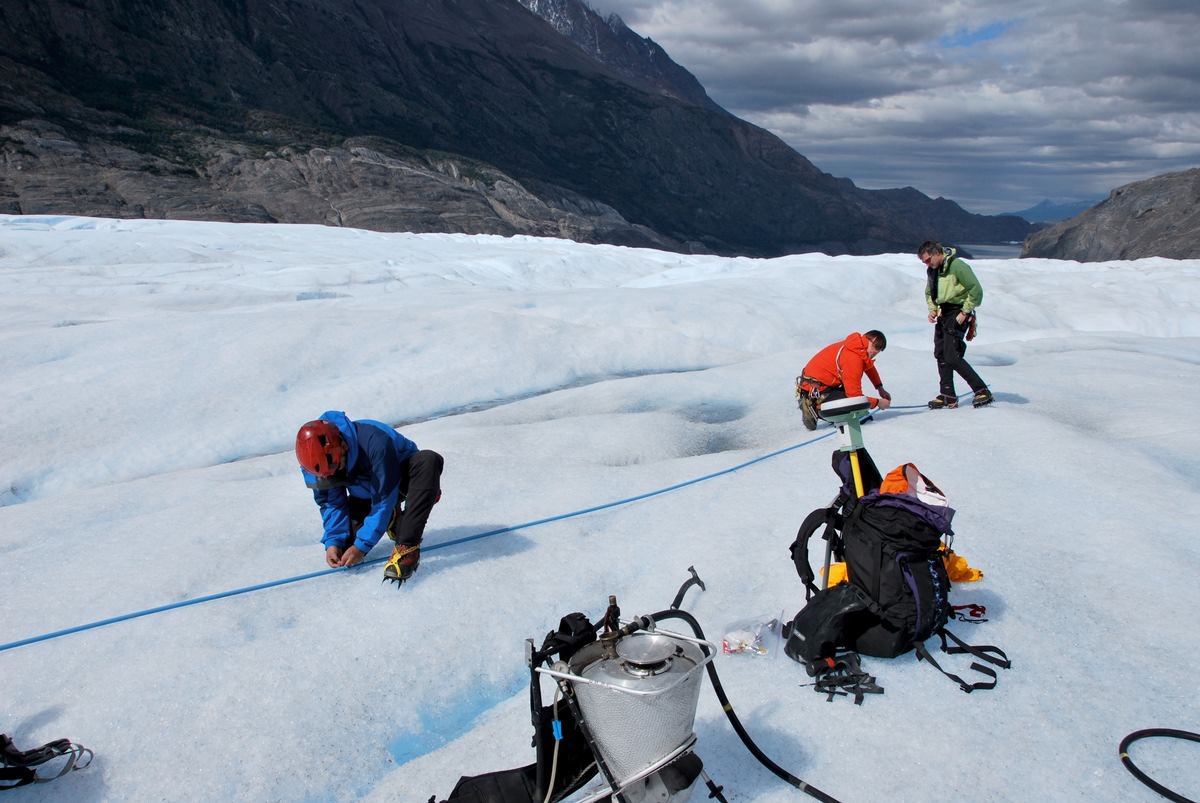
<point x="761" y="636"/>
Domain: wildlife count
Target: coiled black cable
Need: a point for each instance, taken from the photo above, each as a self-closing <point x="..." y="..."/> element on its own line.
<point x="1123" y="750"/>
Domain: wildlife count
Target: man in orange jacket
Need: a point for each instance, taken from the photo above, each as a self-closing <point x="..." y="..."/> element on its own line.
<point x="836" y="372"/>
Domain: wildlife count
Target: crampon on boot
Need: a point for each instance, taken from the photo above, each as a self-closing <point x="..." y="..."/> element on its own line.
<point x="403" y="563"/>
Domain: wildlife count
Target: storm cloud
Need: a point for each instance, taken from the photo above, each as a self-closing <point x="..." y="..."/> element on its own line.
<point x="995" y="104"/>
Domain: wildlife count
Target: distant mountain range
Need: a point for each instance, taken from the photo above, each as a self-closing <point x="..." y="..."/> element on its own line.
<point x="479" y="116"/>
<point x="1049" y="212"/>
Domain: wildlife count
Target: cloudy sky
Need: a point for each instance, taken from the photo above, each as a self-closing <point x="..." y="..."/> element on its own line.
<point x="996" y="104"/>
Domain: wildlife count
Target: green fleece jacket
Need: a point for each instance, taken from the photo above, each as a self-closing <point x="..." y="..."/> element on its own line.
<point x="956" y="284"/>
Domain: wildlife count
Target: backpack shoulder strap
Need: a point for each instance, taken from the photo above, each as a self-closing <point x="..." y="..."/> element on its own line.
<point x="986" y="652"/>
<point x="822" y="517"/>
<point x="993" y="655"/>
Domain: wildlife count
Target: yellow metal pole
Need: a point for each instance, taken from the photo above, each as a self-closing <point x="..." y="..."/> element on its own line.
<point x="845" y="413"/>
<point x="858" y="486"/>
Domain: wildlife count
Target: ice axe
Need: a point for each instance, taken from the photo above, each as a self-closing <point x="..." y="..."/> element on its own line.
<point x="694" y="580"/>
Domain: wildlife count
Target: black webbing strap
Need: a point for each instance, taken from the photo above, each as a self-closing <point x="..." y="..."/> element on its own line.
<point x="993" y="655"/>
<point x="574" y="631"/>
<point x="12" y="777"/>
<point x="17" y="765"/>
<point x="842" y="675"/>
<point x="986" y="652"/>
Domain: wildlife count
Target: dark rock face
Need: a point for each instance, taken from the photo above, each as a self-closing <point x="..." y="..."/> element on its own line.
<point x="364" y="183"/>
<point x="418" y="115"/>
<point x="1158" y="217"/>
<point x="637" y="59"/>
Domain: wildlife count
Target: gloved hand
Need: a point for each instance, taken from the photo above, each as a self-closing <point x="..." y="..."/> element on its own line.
<point x="883" y="394"/>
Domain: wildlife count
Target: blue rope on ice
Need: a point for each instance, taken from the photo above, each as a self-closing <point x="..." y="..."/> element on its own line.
<point x="274" y="583"/>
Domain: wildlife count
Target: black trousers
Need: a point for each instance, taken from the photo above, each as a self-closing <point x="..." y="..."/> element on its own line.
<point x="830" y="394"/>
<point x="420" y="488"/>
<point x="949" y="346"/>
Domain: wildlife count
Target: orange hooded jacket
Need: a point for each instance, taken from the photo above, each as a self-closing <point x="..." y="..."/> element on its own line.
<point x="842" y="364"/>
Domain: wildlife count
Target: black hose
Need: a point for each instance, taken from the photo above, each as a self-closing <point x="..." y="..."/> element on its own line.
<point x="733" y="719"/>
<point x="1143" y="777"/>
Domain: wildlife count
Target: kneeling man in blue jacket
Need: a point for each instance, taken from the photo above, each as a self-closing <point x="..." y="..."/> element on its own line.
<point x="368" y="480"/>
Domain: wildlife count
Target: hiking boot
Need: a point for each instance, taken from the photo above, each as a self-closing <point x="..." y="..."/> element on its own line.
<point x="982" y="398"/>
<point x="810" y="415"/>
<point x="943" y="402"/>
<point x="404" y="561"/>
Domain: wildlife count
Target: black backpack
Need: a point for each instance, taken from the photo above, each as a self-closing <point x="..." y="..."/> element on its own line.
<point x="897" y="591"/>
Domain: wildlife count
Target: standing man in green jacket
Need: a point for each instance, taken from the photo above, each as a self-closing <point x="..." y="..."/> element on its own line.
<point x="952" y="293"/>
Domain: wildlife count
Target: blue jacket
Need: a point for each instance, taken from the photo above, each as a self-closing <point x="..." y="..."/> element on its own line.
<point x="375" y="456"/>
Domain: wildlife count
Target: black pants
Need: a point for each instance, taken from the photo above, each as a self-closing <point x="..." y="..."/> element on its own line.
<point x="830" y="394"/>
<point x="420" y="488"/>
<point x="949" y="346"/>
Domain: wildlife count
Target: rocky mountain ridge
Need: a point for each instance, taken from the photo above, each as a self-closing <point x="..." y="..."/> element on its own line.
<point x="1156" y="217"/>
<point x="406" y="115"/>
<point x="361" y="183"/>
<point x="640" y="60"/>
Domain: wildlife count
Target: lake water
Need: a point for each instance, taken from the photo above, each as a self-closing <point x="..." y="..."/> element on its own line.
<point x="994" y="251"/>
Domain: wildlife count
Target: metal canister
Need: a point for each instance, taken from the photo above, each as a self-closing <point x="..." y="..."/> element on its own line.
<point x="639" y="696"/>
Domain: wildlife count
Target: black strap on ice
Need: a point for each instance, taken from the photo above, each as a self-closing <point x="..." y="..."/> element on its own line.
<point x="993" y="655"/>
<point x="18" y="767"/>
<point x="12" y="777"/>
<point x="842" y="675"/>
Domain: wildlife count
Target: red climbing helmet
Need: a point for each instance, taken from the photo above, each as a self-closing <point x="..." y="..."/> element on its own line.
<point x="320" y="448"/>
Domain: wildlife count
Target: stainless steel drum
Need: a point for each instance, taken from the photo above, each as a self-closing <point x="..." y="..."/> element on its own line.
<point x="639" y="696"/>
